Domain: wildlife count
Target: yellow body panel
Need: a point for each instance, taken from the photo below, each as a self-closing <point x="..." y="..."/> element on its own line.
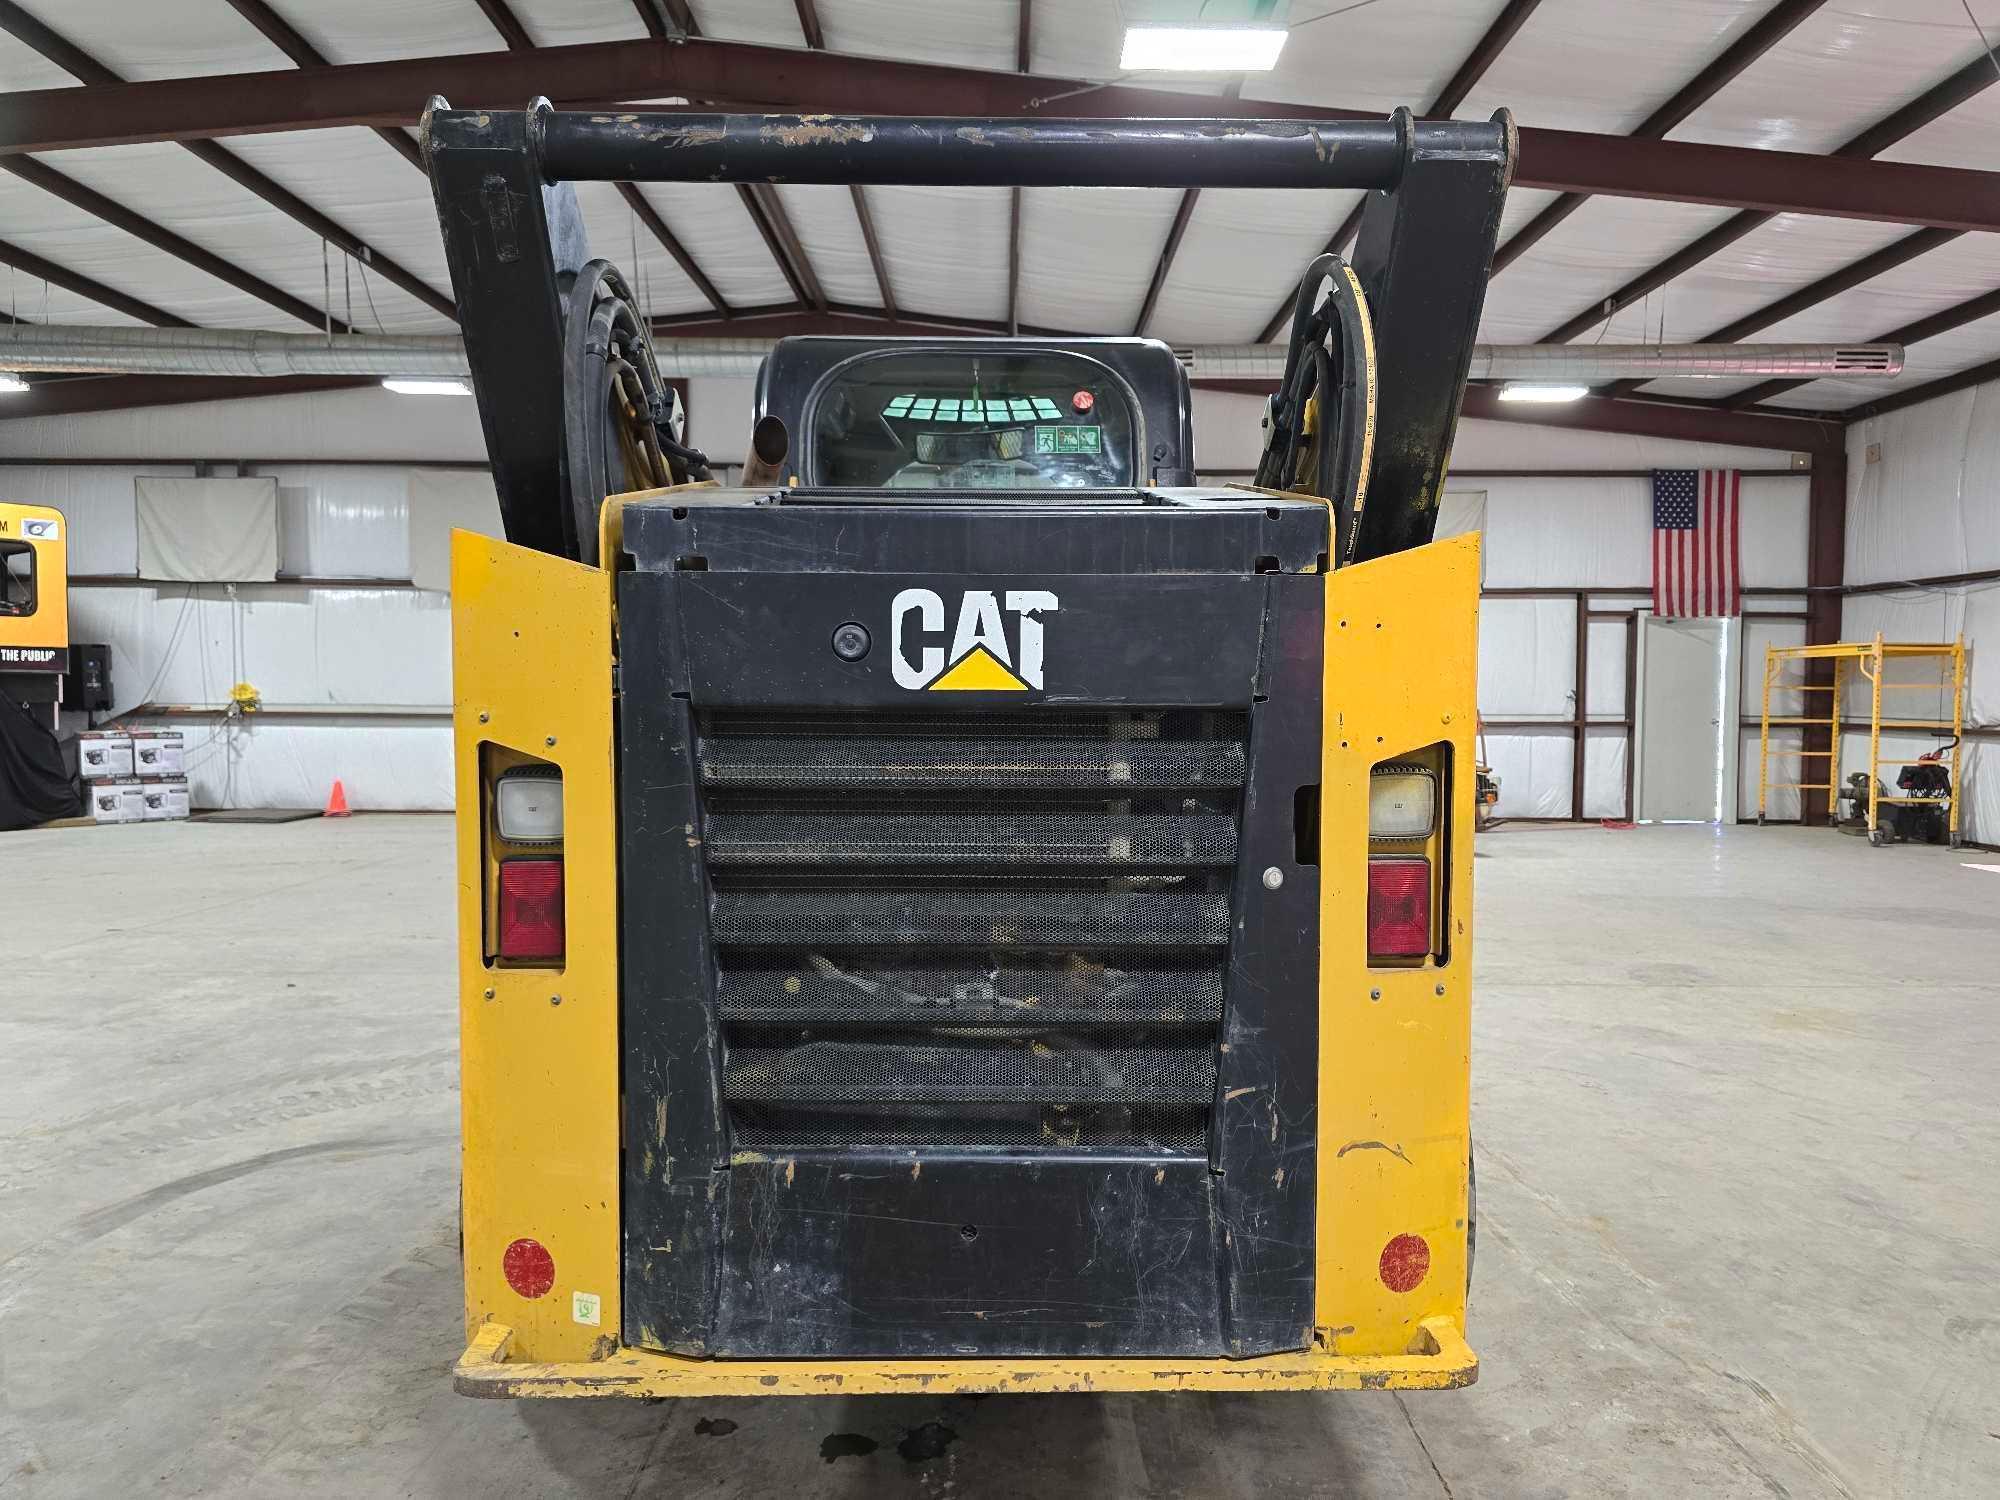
<point x="1395" y="1044"/>
<point x="532" y="653"/>
<point x="531" y="665"/>
<point x="47" y="629"/>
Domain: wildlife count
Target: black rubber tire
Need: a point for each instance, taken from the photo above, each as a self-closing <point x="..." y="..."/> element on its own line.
<point x="1471" y="1216"/>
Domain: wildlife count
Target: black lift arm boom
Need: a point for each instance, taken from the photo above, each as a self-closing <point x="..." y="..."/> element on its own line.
<point x="546" y="327"/>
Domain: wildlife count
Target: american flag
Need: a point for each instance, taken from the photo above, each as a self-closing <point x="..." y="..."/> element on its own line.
<point x="1697" y="559"/>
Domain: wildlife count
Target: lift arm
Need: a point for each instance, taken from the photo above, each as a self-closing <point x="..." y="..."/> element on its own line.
<point x="516" y="247"/>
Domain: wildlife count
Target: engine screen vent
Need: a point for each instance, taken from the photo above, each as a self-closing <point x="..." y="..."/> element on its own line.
<point x="971" y="931"/>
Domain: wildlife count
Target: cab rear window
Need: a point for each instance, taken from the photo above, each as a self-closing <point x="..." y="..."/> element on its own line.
<point x="1040" y="419"/>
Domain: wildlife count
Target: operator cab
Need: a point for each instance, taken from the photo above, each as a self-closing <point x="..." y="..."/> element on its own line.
<point x="973" y="414"/>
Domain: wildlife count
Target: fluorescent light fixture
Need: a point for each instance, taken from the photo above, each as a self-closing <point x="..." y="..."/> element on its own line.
<point x="1517" y="391"/>
<point x="1201" y="48"/>
<point x="414" y="387"/>
<point x="11" y="382"/>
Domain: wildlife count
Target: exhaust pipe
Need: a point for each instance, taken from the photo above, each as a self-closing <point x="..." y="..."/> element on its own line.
<point x="769" y="443"/>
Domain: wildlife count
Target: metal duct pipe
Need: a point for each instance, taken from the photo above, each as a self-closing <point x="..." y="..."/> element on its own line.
<point x="1593" y="364"/>
<point x="260" y="352"/>
<point x="1598" y="364"/>
<point x="225" y="351"/>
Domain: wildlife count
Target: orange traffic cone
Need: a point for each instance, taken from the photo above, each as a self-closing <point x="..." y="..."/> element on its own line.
<point x="336" y="802"/>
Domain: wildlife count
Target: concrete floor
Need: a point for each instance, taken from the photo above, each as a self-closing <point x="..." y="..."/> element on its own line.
<point x="1737" y="1146"/>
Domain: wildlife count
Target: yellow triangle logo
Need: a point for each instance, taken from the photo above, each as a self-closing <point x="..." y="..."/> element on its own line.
<point x="978" y="671"/>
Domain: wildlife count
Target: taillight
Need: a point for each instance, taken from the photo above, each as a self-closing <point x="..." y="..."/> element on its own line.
<point x="531" y="909"/>
<point x="1399" y="907"/>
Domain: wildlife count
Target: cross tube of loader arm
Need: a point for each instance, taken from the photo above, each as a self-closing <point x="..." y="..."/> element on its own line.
<point x="512" y="232"/>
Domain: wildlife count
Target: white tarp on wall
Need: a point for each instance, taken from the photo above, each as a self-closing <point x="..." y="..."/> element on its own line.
<point x="207" y="530"/>
<point x="440" y="502"/>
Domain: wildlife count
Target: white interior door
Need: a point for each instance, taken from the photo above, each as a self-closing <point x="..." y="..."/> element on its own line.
<point x="1687" y="708"/>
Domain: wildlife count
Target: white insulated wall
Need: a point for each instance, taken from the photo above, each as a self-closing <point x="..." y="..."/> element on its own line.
<point x="1923" y="501"/>
<point x="356" y="663"/>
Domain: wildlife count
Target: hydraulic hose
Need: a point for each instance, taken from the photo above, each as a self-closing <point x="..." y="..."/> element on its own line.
<point x="1320" y="425"/>
<point x="621" y="422"/>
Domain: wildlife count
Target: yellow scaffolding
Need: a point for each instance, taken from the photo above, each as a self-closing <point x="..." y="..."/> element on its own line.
<point x="1871" y="658"/>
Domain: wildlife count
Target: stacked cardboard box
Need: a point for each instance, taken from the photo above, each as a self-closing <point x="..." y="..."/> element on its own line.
<point x="138" y="777"/>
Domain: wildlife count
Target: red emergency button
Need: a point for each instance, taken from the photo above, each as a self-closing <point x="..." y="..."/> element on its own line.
<point x="1083" y="401"/>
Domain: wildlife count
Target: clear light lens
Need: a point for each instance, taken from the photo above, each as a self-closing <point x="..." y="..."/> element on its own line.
<point x="1402" y="804"/>
<point x="529" y="809"/>
<point x="413" y="387"/>
<point x="1546" y="393"/>
<point x="12" y="382"/>
<point x="1201" y="49"/>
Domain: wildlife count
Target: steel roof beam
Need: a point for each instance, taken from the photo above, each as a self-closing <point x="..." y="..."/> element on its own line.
<point x="71" y="281"/>
<point x="1930" y="390"/>
<point x="1024" y="22"/>
<point x="1183" y="212"/>
<point x="88" y="393"/>
<point x="815" y="36"/>
<point x="760" y="200"/>
<point x="391" y="93"/>
<point x="1845" y="279"/>
<point x="33" y="170"/>
<point x="515" y="35"/>
<point x="1684" y="422"/>
<point x="1928" y="327"/>
<point x="1940" y="99"/>
<point x="74" y="60"/>
<point x="281" y="34"/>
<point x="1461" y="83"/>
<point x="1771" y="28"/>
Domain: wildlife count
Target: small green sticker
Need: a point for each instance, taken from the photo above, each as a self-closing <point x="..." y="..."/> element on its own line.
<point x="1069" y="440"/>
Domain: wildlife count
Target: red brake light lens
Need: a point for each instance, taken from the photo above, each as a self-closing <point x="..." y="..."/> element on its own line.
<point x="1399" y="907"/>
<point x="531" y="909"/>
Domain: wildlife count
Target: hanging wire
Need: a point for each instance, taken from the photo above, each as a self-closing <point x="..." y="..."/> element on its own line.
<point x="369" y="292"/>
<point x="347" y="285"/>
<point x="1982" y="34"/>
<point x="326" y="289"/>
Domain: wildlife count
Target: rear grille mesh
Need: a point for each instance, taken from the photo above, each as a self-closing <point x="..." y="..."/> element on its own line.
<point x="1001" y="931"/>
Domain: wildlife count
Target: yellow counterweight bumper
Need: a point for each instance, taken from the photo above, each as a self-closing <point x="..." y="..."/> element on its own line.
<point x="1439" y="1360"/>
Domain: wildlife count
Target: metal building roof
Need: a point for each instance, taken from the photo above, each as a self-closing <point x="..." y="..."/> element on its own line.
<point x="199" y="215"/>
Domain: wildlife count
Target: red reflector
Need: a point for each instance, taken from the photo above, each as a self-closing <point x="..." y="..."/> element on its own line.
<point x="1406" y="1260"/>
<point x="530" y="1269"/>
<point x="1399" y="908"/>
<point x="1083" y="401"/>
<point x="531" y="908"/>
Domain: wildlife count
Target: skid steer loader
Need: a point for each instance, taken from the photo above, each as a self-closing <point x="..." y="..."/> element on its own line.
<point x="969" y="908"/>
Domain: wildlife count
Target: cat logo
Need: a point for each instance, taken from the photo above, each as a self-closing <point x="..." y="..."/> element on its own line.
<point x="980" y="659"/>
